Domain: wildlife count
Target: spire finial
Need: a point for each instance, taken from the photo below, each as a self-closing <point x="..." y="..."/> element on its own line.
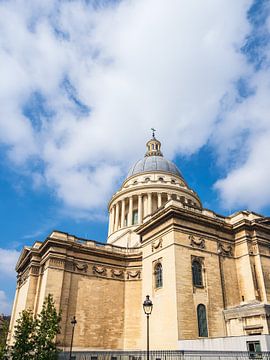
<point x="153" y="146"/>
<point x="153" y="132"/>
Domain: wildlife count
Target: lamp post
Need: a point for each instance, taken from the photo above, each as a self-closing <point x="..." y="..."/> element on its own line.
<point x="147" y="308"/>
<point x="73" y="323"/>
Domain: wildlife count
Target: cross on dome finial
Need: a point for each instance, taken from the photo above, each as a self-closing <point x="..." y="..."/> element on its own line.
<point x="153" y="146"/>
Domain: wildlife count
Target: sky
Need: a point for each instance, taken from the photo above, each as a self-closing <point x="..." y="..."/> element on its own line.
<point x="82" y="83"/>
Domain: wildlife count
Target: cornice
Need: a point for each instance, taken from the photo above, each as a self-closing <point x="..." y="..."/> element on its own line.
<point x="182" y="213"/>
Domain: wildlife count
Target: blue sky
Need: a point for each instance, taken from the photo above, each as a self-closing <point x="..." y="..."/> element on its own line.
<point x="83" y="82"/>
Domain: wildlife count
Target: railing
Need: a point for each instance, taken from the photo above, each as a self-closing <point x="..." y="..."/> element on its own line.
<point x="165" y="355"/>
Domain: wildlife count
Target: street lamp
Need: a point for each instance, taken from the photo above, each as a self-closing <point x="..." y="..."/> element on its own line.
<point x="73" y="323"/>
<point x="147" y="308"/>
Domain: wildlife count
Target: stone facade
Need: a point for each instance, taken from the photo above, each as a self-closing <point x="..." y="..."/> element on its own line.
<point x="155" y="219"/>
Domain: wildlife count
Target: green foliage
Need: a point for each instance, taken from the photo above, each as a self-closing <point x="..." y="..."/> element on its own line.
<point x="23" y="348"/>
<point x="35" y="336"/>
<point x="46" y="330"/>
<point x="4" y="324"/>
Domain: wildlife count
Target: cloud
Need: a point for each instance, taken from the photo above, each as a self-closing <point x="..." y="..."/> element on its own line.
<point x="8" y="259"/>
<point x="242" y="138"/>
<point x="5" y="305"/>
<point x="82" y="85"/>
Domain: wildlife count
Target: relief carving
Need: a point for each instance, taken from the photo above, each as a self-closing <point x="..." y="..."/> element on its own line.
<point x="156" y="244"/>
<point x="99" y="270"/>
<point x="134" y="274"/>
<point x="199" y="242"/>
<point x="80" y="266"/>
<point x="35" y="270"/>
<point x="117" y="273"/>
<point x="225" y="250"/>
<point x="57" y="262"/>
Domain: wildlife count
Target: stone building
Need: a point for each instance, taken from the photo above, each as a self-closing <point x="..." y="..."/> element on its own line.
<point x="207" y="275"/>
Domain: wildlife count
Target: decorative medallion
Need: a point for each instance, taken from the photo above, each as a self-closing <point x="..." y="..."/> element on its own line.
<point x="199" y="242"/>
<point x="156" y="244"/>
<point x="225" y="250"/>
<point x="133" y="274"/>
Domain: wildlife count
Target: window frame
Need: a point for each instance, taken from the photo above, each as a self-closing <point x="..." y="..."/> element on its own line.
<point x="158" y="275"/>
<point x="198" y="274"/>
<point x="202" y="326"/>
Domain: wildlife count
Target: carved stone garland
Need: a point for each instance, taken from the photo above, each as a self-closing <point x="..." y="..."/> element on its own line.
<point x="225" y="250"/>
<point x="199" y="242"/>
<point x="81" y="266"/>
<point x="99" y="270"/>
<point x="117" y="273"/>
<point x="157" y="244"/>
<point x="134" y="274"/>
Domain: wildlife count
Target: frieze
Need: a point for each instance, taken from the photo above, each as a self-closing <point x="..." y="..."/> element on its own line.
<point x="35" y="270"/>
<point x="57" y="263"/>
<point x="156" y="244"/>
<point x="134" y="274"/>
<point x="225" y="250"/>
<point x="199" y="241"/>
<point x="99" y="270"/>
<point x="115" y="273"/>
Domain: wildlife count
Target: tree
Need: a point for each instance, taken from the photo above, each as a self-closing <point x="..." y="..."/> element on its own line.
<point x="4" y="324"/>
<point x="47" y="327"/>
<point x="35" y="336"/>
<point x="24" y="346"/>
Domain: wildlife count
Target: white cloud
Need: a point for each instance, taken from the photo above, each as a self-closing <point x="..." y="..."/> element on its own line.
<point x="247" y="129"/>
<point x="5" y="305"/>
<point x="135" y="65"/>
<point x="8" y="259"/>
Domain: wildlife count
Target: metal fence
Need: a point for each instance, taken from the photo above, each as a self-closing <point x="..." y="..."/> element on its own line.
<point x="165" y="355"/>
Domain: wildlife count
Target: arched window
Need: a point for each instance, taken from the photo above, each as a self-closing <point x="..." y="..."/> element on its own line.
<point x="202" y="321"/>
<point x="161" y="179"/>
<point x="197" y="273"/>
<point x="147" y="179"/>
<point x="158" y="276"/>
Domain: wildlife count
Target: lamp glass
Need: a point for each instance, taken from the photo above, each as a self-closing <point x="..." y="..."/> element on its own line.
<point x="147" y="305"/>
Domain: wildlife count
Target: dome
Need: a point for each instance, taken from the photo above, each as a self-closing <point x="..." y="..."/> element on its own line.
<point x="154" y="163"/>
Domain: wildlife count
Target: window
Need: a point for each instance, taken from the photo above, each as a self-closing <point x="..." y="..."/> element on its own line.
<point x="161" y="179"/>
<point x="158" y="276"/>
<point x="135" y="182"/>
<point x="202" y="321"/>
<point x="173" y="181"/>
<point x="135" y="217"/>
<point x="254" y="349"/>
<point x="147" y="179"/>
<point x="197" y="273"/>
<point x="153" y="146"/>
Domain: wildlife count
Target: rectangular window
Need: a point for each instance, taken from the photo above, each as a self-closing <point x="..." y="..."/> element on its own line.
<point x="254" y="349"/>
<point x="135" y="217"/>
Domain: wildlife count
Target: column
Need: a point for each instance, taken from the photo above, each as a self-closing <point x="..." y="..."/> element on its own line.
<point x="112" y="221"/>
<point x="149" y="203"/>
<point x="130" y="211"/>
<point x="159" y="202"/>
<point x="117" y="217"/>
<point x="169" y="196"/>
<point x="140" y="214"/>
<point x="123" y="209"/>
